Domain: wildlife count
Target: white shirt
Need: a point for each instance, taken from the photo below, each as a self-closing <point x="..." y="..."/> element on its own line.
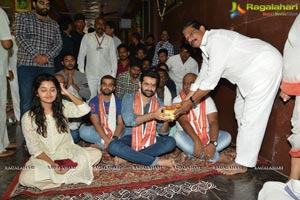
<point x="101" y="61"/>
<point x="4" y="35"/>
<point x="210" y="108"/>
<point x="244" y="61"/>
<point x="177" y="69"/>
<point x="291" y="61"/>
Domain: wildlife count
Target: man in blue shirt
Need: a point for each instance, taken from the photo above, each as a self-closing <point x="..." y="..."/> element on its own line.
<point x="143" y="116"/>
<point x="105" y="115"/>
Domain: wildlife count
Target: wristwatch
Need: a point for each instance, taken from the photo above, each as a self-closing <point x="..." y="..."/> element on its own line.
<point x="215" y="143"/>
<point x="193" y="102"/>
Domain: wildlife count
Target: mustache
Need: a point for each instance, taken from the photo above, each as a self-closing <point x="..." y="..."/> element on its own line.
<point x="149" y="91"/>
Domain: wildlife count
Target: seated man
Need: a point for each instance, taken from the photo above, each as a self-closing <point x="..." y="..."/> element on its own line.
<point x="162" y="56"/>
<point x="128" y="82"/>
<point x="143" y="116"/>
<point x="163" y="91"/>
<point x="146" y="64"/>
<point x="170" y="83"/>
<point x="105" y="115"/>
<point x="76" y="83"/>
<point x="198" y="132"/>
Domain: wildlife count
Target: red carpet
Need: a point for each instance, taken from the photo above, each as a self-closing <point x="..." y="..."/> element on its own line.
<point x="129" y="176"/>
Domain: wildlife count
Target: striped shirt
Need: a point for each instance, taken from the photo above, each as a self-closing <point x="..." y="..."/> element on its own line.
<point x="167" y="45"/>
<point x="36" y="37"/>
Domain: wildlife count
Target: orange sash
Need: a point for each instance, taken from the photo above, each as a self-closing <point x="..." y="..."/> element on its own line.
<point x="198" y="122"/>
<point x="143" y="137"/>
<point x="103" y="118"/>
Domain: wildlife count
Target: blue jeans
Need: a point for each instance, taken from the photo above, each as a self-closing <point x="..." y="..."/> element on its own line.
<point x="75" y="135"/>
<point x="186" y="144"/>
<point x="147" y="156"/>
<point x="26" y="76"/>
<point x="89" y="134"/>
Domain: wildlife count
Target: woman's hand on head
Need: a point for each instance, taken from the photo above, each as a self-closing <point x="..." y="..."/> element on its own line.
<point x="64" y="91"/>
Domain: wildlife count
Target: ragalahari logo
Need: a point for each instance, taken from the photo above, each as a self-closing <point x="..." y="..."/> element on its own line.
<point x="236" y="10"/>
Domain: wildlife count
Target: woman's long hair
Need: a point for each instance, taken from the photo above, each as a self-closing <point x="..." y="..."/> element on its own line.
<point x="37" y="110"/>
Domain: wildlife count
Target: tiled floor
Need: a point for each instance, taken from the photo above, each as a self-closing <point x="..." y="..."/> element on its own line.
<point x="238" y="187"/>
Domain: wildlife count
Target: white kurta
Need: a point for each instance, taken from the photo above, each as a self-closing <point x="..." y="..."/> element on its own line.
<point x="177" y="69"/>
<point x="100" y="61"/>
<point x="14" y="87"/>
<point x="57" y="146"/>
<point x="256" y="68"/>
<point x="4" y="35"/>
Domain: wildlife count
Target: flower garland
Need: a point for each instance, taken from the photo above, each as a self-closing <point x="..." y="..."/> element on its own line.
<point x="161" y="14"/>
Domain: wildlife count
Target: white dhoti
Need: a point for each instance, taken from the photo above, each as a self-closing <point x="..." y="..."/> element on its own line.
<point x="252" y="113"/>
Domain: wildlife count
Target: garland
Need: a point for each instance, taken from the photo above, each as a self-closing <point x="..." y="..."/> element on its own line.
<point x="161" y="14"/>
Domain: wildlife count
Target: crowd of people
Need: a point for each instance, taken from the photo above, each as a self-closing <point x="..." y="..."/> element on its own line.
<point x="117" y="96"/>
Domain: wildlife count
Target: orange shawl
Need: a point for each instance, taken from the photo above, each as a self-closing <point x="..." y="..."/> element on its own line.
<point x="198" y="122"/>
<point x="143" y="137"/>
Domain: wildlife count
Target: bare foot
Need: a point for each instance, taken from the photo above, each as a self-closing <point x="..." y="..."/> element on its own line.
<point x="225" y="158"/>
<point x="231" y="169"/>
<point x="183" y="157"/>
<point x="118" y="161"/>
<point x="166" y="162"/>
<point x="6" y="153"/>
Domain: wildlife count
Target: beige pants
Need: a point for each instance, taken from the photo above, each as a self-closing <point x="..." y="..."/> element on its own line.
<point x="27" y="176"/>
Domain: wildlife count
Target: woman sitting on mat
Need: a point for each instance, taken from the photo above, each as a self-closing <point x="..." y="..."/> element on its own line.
<point x="55" y="159"/>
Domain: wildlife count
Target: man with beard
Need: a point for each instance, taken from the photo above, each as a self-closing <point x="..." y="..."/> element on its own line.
<point x="39" y="42"/>
<point x="128" y="82"/>
<point x="99" y="51"/>
<point x="105" y="116"/>
<point x="77" y="84"/>
<point x="143" y="116"/>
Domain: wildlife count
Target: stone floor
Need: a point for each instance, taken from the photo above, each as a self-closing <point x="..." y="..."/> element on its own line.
<point x="243" y="186"/>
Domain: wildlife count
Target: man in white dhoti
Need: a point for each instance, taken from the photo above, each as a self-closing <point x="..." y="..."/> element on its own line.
<point x="228" y="54"/>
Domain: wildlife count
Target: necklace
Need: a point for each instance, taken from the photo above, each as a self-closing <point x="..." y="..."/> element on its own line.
<point x="161" y="14"/>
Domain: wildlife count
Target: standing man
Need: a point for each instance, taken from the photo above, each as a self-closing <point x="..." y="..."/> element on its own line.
<point x="110" y="30"/>
<point x="143" y="116"/>
<point x="6" y="44"/>
<point x="65" y="25"/>
<point x="230" y="55"/>
<point x="78" y="32"/>
<point x="77" y="84"/>
<point x="39" y="42"/>
<point x="290" y="86"/>
<point x="123" y="62"/>
<point x="181" y="64"/>
<point x="105" y="115"/>
<point x="99" y="51"/>
<point x="128" y="82"/>
<point x="163" y="44"/>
